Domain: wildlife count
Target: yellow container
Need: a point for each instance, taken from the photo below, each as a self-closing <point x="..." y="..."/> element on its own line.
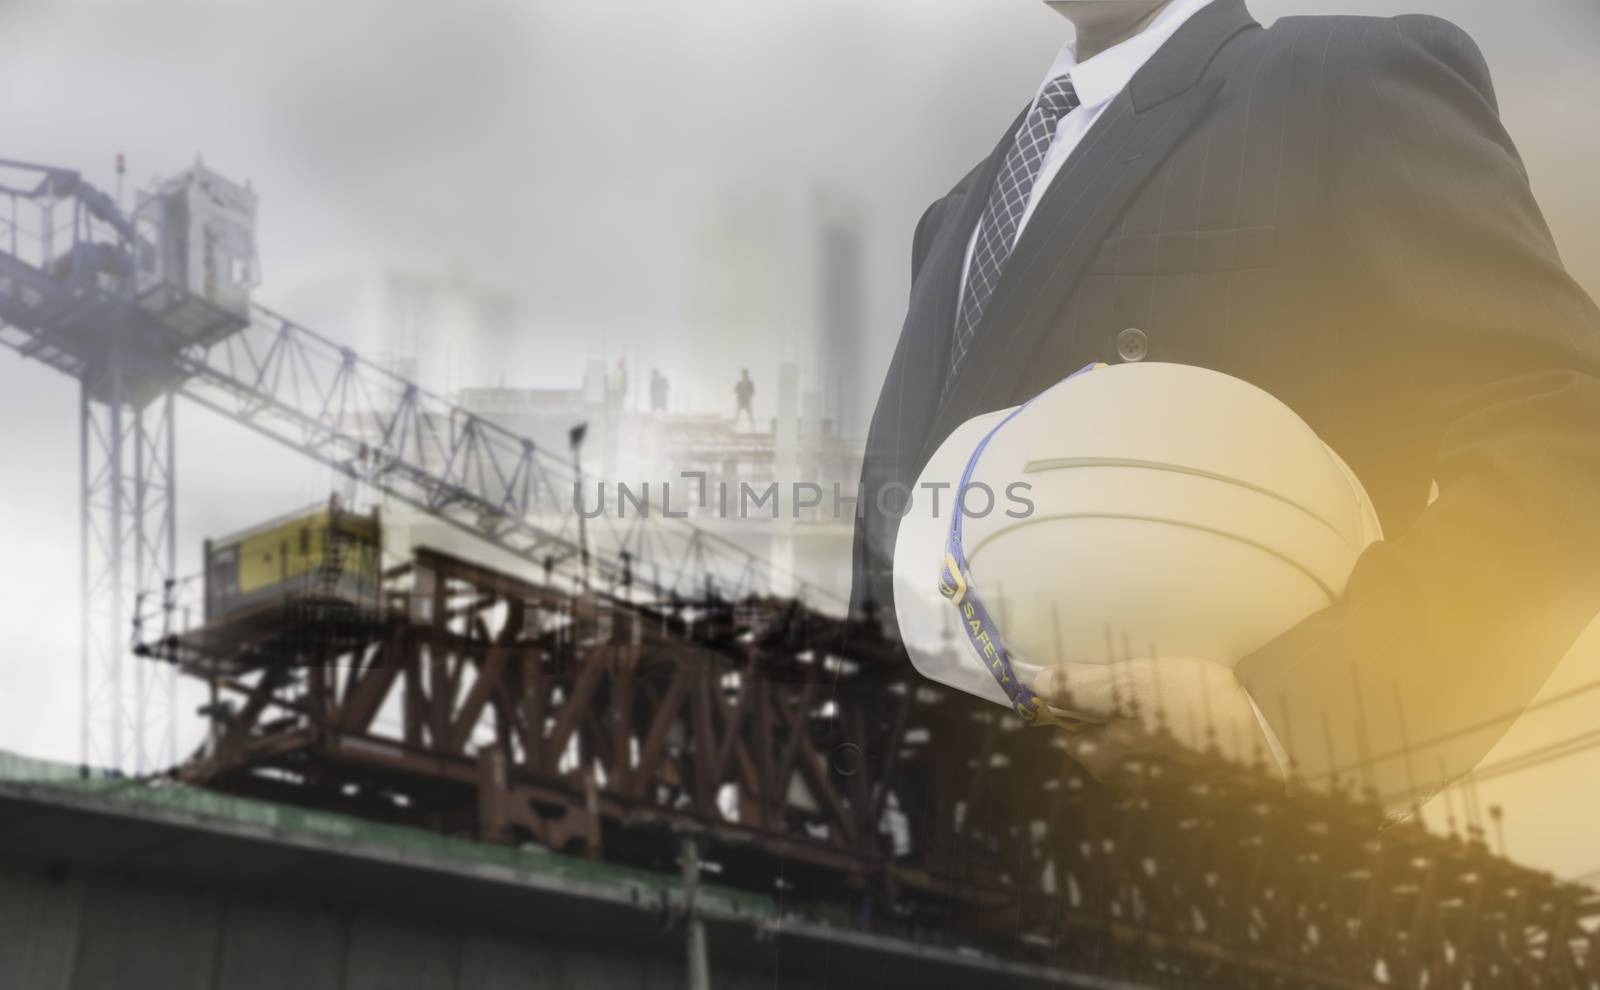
<point x="323" y="553"/>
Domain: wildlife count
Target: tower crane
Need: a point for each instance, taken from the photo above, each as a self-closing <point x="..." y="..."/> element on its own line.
<point x="144" y="307"/>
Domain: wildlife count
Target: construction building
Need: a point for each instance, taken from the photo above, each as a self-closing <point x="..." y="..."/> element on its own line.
<point x="609" y="751"/>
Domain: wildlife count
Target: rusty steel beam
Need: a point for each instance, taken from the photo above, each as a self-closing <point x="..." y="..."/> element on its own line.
<point x="605" y="724"/>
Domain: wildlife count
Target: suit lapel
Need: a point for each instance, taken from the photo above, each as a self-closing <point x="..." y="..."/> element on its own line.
<point x="942" y="283"/>
<point x="1134" y="135"/>
<point x="922" y="357"/>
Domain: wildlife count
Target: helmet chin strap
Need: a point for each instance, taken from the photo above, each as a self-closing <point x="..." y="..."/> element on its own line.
<point x="956" y="585"/>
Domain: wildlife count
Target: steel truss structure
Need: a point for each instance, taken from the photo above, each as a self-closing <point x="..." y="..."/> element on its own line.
<point x="480" y="704"/>
<point x="129" y="545"/>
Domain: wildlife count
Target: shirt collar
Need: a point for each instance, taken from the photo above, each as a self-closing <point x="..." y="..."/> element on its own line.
<point x="1105" y="75"/>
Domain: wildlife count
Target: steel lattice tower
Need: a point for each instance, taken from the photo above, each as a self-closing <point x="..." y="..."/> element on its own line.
<point x="129" y="552"/>
<point x="114" y="300"/>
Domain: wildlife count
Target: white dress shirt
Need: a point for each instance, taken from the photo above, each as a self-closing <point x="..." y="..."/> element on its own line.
<point x="1097" y="81"/>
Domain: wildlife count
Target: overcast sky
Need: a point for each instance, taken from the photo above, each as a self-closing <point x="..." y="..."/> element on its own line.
<point x="572" y="151"/>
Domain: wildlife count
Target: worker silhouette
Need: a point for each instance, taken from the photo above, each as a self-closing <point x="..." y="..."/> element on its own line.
<point x="659" y="386"/>
<point x="745" y="392"/>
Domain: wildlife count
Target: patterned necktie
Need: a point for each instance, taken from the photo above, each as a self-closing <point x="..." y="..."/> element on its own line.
<point x="997" y="233"/>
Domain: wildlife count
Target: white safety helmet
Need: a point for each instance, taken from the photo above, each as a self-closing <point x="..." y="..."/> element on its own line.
<point x="1161" y="505"/>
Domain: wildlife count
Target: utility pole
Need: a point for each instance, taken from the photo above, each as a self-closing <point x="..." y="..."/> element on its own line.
<point x="1498" y="815"/>
<point x="575" y="441"/>
<point x="695" y="929"/>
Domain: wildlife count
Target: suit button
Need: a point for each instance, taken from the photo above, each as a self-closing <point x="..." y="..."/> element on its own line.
<point x="1132" y="344"/>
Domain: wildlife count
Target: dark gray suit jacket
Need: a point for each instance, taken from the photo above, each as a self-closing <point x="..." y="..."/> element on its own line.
<point x="1331" y="210"/>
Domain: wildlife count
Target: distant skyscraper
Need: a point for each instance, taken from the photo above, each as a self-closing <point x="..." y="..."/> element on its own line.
<point x="444" y="330"/>
<point x="840" y="306"/>
<point x="778" y="276"/>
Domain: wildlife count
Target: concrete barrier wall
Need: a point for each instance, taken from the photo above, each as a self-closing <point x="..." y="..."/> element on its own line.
<point x="77" y="931"/>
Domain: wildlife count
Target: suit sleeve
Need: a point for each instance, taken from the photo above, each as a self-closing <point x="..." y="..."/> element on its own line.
<point x="922" y="239"/>
<point x="1448" y="629"/>
<point x="871" y="571"/>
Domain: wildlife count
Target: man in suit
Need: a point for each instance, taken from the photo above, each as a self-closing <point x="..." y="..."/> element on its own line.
<point x="1329" y="209"/>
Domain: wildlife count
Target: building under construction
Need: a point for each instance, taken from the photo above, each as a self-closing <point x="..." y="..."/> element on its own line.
<point x="511" y="768"/>
<point x="438" y="772"/>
